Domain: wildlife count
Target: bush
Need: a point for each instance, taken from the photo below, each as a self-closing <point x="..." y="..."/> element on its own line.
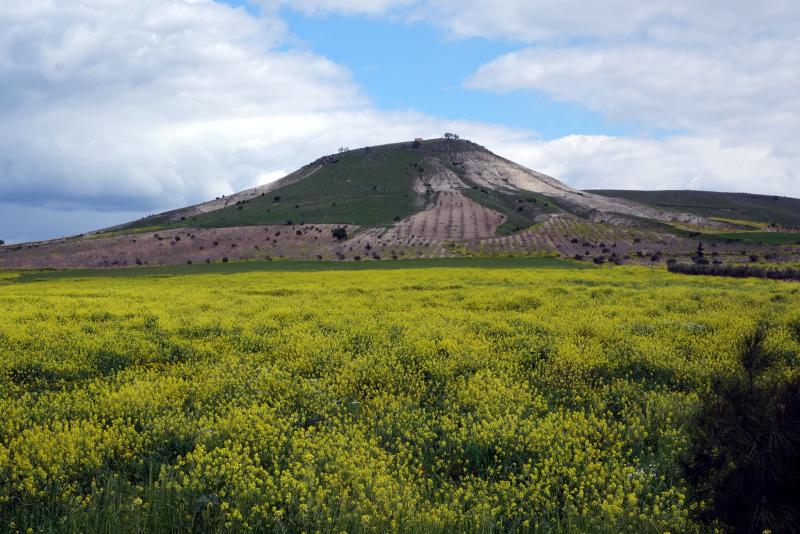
<point x="735" y="271"/>
<point x="340" y="233"/>
<point x="746" y="458"/>
<point x="225" y="259"/>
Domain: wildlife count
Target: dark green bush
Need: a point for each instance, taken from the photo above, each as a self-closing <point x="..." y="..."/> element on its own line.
<point x="746" y="459"/>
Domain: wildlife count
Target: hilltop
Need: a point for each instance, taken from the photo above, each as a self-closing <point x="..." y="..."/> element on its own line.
<point x="427" y="198"/>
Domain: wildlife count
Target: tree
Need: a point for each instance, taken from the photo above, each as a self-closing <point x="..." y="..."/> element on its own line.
<point x="2" y="242"/>
<point x="699" y="256"/>
<point x="746" y="458"/>
<point x="340" y="233"/>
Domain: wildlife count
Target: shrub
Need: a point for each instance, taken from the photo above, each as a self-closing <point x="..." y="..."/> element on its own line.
<point x="746" y="457"/>
<point x="735" y="271"/>
<point x="225" y="259"/>
<point x="340" y="233"/>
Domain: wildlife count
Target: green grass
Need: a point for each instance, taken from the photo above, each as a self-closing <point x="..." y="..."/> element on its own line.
<point x="742" y="206"/>
<point x="744" y="224"/>
<point x="299" y="266"/>
<point x="366" y="188"/>
<point x="765" y="238"/>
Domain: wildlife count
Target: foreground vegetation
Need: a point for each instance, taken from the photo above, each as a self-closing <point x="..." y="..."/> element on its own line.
<point x="438" y="399"/>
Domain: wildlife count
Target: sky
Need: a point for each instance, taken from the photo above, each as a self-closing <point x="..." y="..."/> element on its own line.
<point x="111" y="110"/>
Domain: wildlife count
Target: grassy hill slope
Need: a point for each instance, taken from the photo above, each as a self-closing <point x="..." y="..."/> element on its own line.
<point x="368" y="187"/>
<point x="359" y="188"/>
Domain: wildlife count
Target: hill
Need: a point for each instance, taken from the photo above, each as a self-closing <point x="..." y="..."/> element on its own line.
<point x="739" y="207"/>
<point x="377" y="186"/>
<point x="427" y="198"/>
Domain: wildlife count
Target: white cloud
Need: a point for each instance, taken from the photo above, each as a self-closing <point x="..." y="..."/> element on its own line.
<point x="680" y="162"/>
<point x="721" y="73"/>
<point x="128" y="102"/>
<point x="742" y="93"/>
<point x="541" y="20"/>
<point x="735" y="105"/>
<point x="156" y="103"/>
<point x="319" y="7"/>
<point x="134" y="107"/>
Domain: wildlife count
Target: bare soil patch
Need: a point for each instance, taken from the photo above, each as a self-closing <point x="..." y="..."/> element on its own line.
<point x="176" y="246"/>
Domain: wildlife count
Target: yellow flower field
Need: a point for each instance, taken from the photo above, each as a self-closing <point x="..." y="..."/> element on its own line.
<point x="423" y="400"/>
